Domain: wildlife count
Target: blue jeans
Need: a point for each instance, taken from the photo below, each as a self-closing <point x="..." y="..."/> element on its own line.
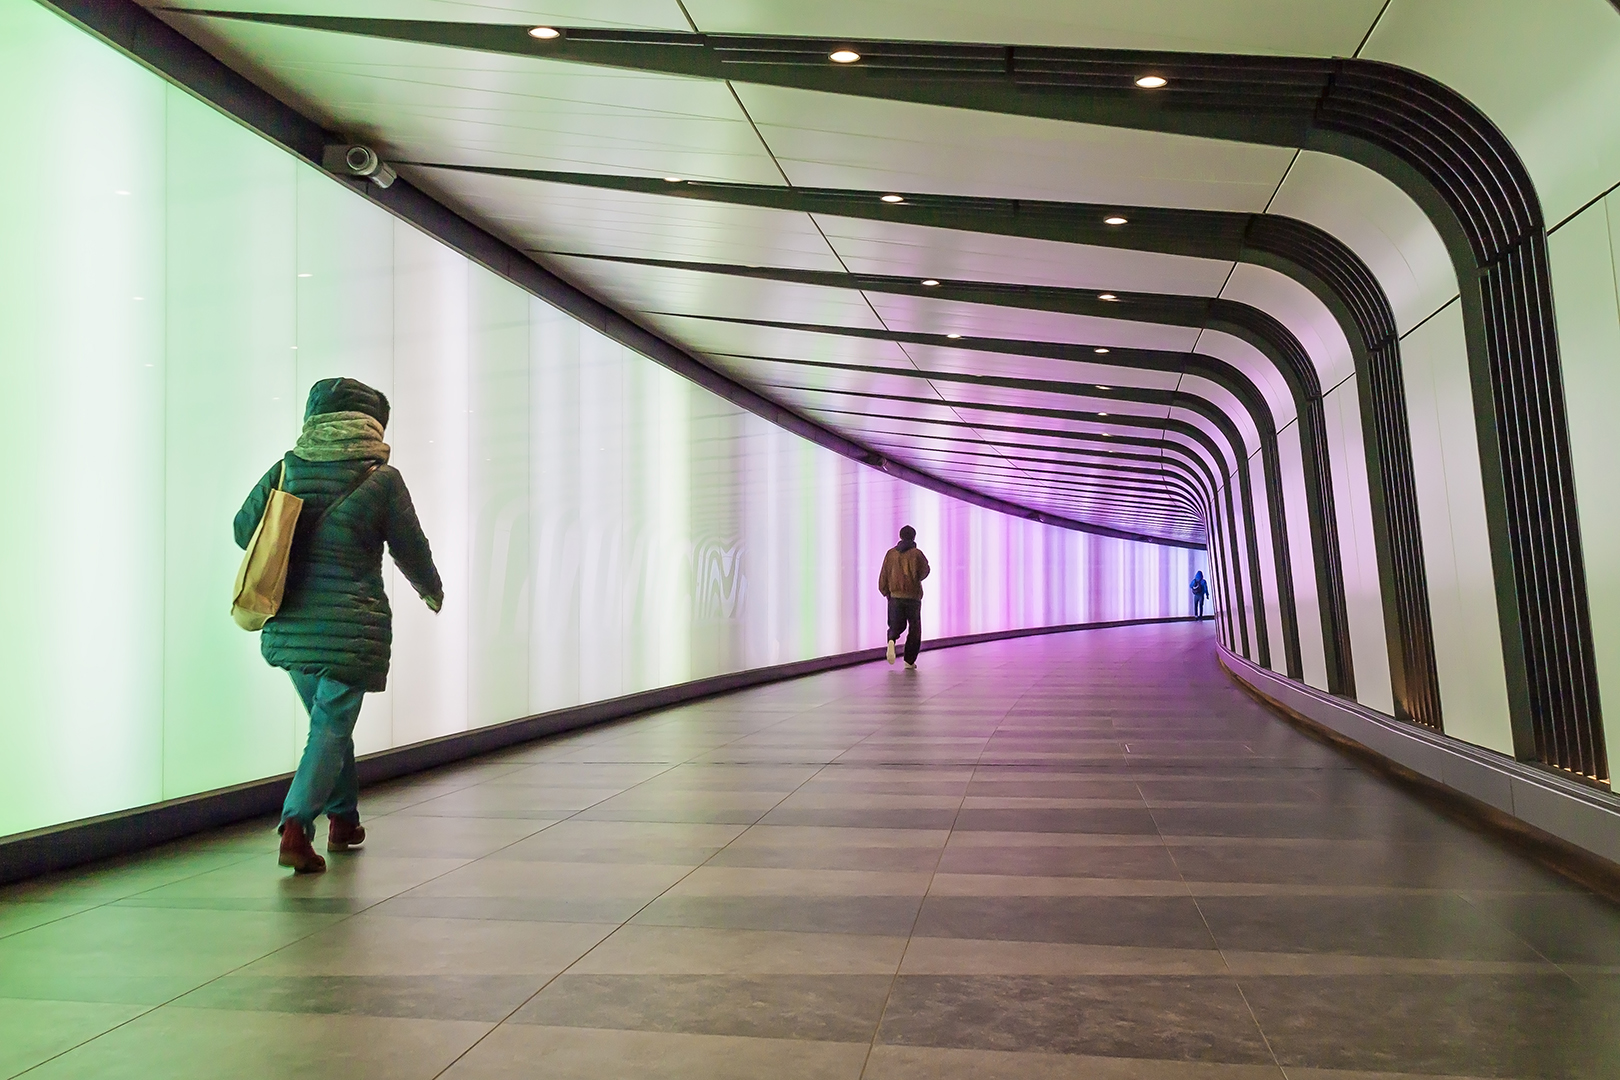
<point x="326" y="780"/>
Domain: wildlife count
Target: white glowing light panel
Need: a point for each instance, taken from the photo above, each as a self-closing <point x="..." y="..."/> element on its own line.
<point x="171" y="286"/>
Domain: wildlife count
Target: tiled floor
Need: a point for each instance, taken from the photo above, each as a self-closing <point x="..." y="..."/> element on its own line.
<point x="1084" y="855"/>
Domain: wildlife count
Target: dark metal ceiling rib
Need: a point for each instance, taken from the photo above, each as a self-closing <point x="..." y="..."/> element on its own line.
<point x="1191" y="432"/>
<point x="1211" y="368"/>
<point x="1167" y="399"/>
<point x="1313" y="257"/>
<point x="1218" y="497"/>
<point x="1267" y="334"/>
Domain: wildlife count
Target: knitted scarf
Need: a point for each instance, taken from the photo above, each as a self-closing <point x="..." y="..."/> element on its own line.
<point x="341" y="436"/>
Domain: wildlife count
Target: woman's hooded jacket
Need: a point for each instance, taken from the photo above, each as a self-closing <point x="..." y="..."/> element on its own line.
<point x="335" y="619"/>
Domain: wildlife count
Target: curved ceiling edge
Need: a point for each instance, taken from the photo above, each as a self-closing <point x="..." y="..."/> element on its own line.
<point x="141" y="35"/>
<point x="1315" y="258"/>
<point x="1424" y="136"/>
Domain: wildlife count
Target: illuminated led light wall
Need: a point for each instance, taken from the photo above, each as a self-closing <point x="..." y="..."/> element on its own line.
<point x="170" y="287"/>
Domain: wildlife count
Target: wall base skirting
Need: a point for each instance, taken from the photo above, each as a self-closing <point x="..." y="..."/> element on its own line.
<point x="75" y="843"/>
<point x="1575" y="827"/>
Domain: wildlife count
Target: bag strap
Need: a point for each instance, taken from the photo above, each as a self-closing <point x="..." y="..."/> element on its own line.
<point x="335" y="503"/>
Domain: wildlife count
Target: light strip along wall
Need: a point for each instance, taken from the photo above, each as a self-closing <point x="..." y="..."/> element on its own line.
<point x="172" y="285"/>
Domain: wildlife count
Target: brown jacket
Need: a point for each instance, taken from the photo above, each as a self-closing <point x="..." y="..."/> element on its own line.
<point x="903" y="573"/>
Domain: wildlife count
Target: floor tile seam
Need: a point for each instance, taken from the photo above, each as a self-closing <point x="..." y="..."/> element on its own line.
<point x="877" y="1028"/>
<point x="191" y="990"/>
<point x="570" y="966"/>
<point x="1493" y="920"/>
<point x="382" y="900"/>
<point x="244" y="857"/>
<point x="1231" y="974"/>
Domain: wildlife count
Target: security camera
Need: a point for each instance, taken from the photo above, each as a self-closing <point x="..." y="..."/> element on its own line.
<point x="357" y="160"/>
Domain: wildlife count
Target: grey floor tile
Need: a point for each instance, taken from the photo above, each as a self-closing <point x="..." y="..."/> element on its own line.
<point x="1137" y="822"/>
<point x="611" y="910"/>
<point x="1135" y="862"/>
<point x="515" y="1051"/>
<point x="35" y="1031"/>
<point x="1148" y="922"/>
<point x="1444" y="926"/>
<point x="835" y="1008"/>
<point x="1522" y="1026"/>
<point x="1131" y="1016"/>
<point x="875" y="818"/>
<point x="875" y="915"/>
<point x="1569" y="926"/>
<point x="424" y="997"/>
<point x="181" y="1043"/>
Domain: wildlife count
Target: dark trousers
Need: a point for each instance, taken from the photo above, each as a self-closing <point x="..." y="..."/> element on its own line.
<point x="1198" y="605"/>
<point x="905" y="612"/>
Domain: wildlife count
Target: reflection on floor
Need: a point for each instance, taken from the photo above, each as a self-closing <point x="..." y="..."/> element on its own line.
<point x="1084" y="855"/>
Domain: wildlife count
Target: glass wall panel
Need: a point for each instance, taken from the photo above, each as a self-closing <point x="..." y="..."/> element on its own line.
<point x="170" y="289"/>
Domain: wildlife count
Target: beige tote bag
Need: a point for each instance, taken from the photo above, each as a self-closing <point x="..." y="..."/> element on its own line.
<point x="263" y="576"/>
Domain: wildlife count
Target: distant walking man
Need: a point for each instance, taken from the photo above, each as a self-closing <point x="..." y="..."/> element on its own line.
<point x="1200" y="591"/>
<point x="900" y="581"/>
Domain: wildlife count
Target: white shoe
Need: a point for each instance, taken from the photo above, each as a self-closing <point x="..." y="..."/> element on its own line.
<point x="890" y="653"/>
<point x="910" y="665"/>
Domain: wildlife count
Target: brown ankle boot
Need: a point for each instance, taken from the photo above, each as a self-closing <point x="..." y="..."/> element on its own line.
<point x="343" y="834"/>
<point x="297" y="852"/>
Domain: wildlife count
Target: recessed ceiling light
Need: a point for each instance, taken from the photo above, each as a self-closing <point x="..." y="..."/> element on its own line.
<point x="843" y="56"/>
<point x="674" y="180"/>
<point x="1151" y="82"/>
<point x="893" y="198"/>
<point x="1107" y="296"/>
<point x="545" y="33"/>
<point x="1100" y="386"/>
<point x="1115" y="220"/>
<point x="953" y="337"/>
<point x="306" y="275"/>
<point x="1102" y="414"/>
<point x="1100" y="352"/>
<point x="930" y="282"/>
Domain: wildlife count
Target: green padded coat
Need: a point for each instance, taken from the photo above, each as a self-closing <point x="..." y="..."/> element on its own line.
<point x="335" y="619"/>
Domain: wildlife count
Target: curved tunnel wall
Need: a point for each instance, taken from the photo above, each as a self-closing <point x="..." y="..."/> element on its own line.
<point x="171" y="287"/>
<point x="1542" y="76"/>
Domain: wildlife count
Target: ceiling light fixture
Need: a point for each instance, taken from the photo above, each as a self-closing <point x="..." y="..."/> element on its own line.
<point x="1107" y="296"/>
<point x="1115" y="220"/>
<point x="893" y="199"/>
<point x="930" y="282"/>
<point x="545" y="33"/>
<point x="1152" y="82"/>
<point x="1100" y="352"/>
<point x="1100" y="386"/>
<point x="953" y="337"/>
<point x="674" y="180"/>
<point x="843" y="56"/>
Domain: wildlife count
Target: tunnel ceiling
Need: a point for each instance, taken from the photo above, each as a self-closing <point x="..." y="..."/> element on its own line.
<point x="989" y="327"/>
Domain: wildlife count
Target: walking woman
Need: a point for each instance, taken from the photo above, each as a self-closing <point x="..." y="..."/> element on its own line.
<point x="334" y="628"/>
